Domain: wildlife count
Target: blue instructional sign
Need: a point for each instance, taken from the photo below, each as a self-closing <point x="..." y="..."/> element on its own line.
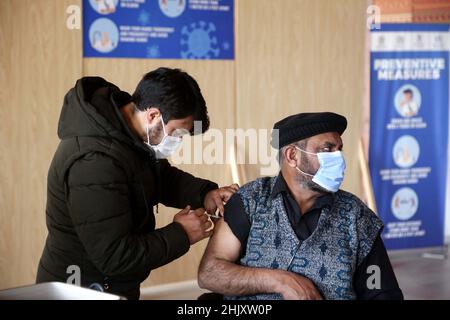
<point x="409" y="112"/>
<point x="159" y="29"/>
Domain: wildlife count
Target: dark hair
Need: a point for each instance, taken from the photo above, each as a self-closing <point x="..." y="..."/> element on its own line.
<point x="175" y="93"/>
<point x="408" y="91"/>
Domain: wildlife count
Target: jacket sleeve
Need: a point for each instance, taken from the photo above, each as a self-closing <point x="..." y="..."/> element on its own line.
<point x="180" y="188"/>
<point x="98" y="201"/>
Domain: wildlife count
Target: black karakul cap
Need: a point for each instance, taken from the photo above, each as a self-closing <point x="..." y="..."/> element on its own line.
<point x="304" y="125"/>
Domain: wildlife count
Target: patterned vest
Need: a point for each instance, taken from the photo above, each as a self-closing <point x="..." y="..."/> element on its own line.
<point x="343" y="238"/>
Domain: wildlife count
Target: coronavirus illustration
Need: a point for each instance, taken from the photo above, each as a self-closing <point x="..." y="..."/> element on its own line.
<point x="198" y="41"/>
<point x="153" y="51"/>
<point x="144" y="17"/>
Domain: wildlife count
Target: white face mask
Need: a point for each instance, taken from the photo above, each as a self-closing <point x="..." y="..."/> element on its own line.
<point x="167" y="146"/>
<point x="331" y="171"/>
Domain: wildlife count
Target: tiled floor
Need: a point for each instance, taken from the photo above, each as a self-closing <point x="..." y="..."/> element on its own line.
<point x="419" y="277"/>
<point x="422" y="278"/>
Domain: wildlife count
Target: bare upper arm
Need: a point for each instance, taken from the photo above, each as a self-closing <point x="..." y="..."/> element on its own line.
<point x="223" y="244"/>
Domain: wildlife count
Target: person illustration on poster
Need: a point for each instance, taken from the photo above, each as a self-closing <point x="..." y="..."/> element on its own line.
<point x="408" y="100"/>
<point x="104" y="35"/>
<point x="164" y="3"/>
<point x="105" y="6"/>
<point x="102" y="42"/>
<point x="172" y="8"/>
<point x="408" y="105"/>
<point x="97" y="40"/>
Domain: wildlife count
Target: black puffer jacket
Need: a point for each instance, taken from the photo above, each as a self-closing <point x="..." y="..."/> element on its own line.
<point x="102" y="185"/>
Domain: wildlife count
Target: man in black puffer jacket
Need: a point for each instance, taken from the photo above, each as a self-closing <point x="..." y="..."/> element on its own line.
<point x="109" y="172"/>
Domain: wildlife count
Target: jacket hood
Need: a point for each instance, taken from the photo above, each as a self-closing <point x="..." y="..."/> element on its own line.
<point x="84" y="113"/>
<point x="91" y="109"/>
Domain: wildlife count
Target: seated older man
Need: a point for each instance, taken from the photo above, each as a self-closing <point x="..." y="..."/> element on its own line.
<point x="297" y="235"/>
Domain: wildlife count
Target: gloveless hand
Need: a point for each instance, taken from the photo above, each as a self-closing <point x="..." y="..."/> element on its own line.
<point x="216" y="198"/>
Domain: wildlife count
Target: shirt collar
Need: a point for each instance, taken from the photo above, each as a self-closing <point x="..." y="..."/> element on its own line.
<point x="281" y="187"/>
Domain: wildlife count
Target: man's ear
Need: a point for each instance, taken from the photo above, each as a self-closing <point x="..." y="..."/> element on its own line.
<point x="290" y="156"/>
<point x="152" y="115"/>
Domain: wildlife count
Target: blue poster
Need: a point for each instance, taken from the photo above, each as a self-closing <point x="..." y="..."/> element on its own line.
<point x="409" y="103"/>
<point x="159" y="29"/>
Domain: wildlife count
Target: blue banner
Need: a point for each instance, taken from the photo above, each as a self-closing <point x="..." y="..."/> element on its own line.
<point x="409" y="102"/>
<point x="159" y="29"/>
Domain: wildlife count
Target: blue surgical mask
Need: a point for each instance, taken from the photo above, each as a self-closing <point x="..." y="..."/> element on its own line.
<point x="331" y="170"/>
<point x="167" y="146"/>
